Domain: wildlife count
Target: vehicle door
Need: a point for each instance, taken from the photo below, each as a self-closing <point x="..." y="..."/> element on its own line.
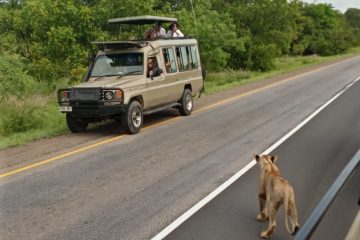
<point x="156" y="94"/>
<point x="189" y="70"/>
<point x="174" y="88"/>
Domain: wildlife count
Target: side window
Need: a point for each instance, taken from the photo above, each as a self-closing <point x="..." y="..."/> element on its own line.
<point x="178" y="58"/>
<point x="169" y="60"/>
<point x="194" y="61"/>
<point x="187" y="58"/>
<point x="152" y="63"/>
<point x="184" y="58"/>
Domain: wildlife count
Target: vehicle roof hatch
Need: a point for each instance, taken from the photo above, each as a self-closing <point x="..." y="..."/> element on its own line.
<point x="142" y="20"/>
<point x="119" y="45"/>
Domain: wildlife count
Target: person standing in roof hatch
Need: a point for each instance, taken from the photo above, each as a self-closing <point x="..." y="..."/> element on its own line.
<point x="174" y="31"/>
<point x="159" y="31"/>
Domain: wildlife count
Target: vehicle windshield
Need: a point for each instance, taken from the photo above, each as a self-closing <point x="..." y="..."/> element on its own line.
<point x="118" y="65"/>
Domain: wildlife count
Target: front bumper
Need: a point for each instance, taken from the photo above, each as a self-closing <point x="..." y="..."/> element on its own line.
<point x="94" y="109"/>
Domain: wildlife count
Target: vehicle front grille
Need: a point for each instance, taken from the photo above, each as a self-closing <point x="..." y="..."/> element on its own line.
<point x="86" y="94"/>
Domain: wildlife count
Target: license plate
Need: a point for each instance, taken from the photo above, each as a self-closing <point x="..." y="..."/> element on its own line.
<point x="65" y="109"/>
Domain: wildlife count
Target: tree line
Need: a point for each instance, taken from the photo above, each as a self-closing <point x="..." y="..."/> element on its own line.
<point x="45" y="40"/>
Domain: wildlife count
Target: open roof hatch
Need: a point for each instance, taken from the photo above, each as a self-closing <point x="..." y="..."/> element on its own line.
<point x="141" y="20"/>
<point x="119" y="45"/>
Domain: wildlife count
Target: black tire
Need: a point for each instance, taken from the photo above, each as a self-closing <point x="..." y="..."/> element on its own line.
<point x="186" y="103"/>
<point x="132" y="119"/>
<point x="75" y="124"/>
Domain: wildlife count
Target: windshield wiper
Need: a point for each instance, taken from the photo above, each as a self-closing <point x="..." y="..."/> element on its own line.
<point x="107" y="75"/>
<point x="129" y="73"/>
<point x="99" y="77"/>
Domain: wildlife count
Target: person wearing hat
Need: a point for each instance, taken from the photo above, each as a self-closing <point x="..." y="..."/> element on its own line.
<point x="174" y="31"/>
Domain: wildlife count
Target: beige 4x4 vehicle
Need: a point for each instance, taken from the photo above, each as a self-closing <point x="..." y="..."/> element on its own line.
<point x="128" y="79"/>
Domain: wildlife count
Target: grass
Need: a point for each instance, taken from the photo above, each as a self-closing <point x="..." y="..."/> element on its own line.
<point x="220" y="81"/>
<point x="25" y="120"/>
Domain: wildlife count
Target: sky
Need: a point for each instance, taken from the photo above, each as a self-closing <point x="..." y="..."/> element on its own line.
<point x="341" y="5"/>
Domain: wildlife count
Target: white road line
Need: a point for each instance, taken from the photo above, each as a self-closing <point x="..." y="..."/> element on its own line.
<point x="166" y="231"/>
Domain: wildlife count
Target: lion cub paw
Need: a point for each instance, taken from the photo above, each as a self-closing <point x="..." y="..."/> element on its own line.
<point x="261" y="217"/>
<point x="264" y="234"/>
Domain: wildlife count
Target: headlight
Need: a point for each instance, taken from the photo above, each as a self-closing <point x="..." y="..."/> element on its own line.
<point x="112" y="95"/>
<point x="64" y="95"/>
<point x="109" y="95"/>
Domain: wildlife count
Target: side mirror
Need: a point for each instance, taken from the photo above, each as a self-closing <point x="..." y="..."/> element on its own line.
<point x="156" y="72"/>
<point x="91" y="58"/>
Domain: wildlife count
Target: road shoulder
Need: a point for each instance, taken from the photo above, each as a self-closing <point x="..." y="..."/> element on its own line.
<point x="38" y="150"/>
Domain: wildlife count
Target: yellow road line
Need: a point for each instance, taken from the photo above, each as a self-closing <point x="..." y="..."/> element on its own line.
<point x="163" y="122"/>
<point x="265" y="87"/>
<point x="252" y="92"/>
<point x="60" y="156"/>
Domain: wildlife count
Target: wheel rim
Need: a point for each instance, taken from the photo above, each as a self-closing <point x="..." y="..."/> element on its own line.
<point x="189" y="103"/>
<point x="136" y="117"/>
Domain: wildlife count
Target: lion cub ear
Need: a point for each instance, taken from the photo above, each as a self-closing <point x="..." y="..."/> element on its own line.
<point x="257" y="157"/>
<point x="274" y="158"/>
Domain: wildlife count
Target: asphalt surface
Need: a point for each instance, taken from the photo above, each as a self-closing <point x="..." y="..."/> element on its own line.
<point x="134" y="187"/>
<point x="311" y="160"/>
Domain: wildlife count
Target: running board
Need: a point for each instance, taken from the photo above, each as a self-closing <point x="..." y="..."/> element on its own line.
<point x="158" y="109"/>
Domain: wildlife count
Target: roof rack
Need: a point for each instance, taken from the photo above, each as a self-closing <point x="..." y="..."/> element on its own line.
<point x="119" y="44"/>
<point x="141" y="20"/>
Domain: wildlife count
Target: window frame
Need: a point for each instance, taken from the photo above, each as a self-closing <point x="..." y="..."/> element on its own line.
<point x="175" y="61"/>
<point x="188" y="50"/>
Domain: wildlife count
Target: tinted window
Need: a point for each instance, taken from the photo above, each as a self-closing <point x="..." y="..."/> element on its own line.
<point x="169" y="60"/>
<point x="187" y="58"/>
<point x="194" y="61"/>
<point x="184" y="58"/>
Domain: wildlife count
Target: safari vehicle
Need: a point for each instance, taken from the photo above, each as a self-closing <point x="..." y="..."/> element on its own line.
<point x="129" y="79"/>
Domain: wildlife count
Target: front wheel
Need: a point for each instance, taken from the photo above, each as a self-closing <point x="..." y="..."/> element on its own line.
<point x="186" y="103"/>
<point x="133" y="118"/>
<point x="75" y="124"/>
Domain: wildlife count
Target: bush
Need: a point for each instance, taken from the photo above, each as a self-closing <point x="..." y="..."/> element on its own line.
<point x="37" y="113"/>
<point x="262" y="57"/>
<point x="13" y="76"/>
<point x="20" y="119"/>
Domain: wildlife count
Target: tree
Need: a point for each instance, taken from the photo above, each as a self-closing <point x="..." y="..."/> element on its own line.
<point x="352" y="16"/>
<point x="325" y="31"/>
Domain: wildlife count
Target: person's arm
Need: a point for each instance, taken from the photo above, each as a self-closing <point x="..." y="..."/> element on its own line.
<point x="162" y="32"/>
<point x="147" y="34"/>
<point x="179" y="33"/>
<point x="169" y="34"/>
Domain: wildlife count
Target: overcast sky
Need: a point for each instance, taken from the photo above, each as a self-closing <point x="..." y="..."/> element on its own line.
<point x="341" y="5"/>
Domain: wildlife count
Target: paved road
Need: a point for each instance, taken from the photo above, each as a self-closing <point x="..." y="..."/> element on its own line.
<point x="311" y="160"/>
<point x="134" y="187"/>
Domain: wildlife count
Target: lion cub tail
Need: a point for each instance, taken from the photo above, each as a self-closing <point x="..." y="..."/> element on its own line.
<point x="286" y="208"/>
<point x="292" y="212"/>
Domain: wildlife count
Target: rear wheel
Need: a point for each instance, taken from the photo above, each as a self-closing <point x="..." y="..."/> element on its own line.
<point x="133" y="118"/>
<point x="75" y="124"/>
<point x="186" y="103"/>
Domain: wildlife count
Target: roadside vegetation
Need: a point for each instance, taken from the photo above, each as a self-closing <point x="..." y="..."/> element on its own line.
<point x="44" y="45"/>
<point x="223" y="80"/>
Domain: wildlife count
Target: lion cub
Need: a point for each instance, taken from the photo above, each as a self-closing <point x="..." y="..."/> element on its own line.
<point x="274" y="191"/>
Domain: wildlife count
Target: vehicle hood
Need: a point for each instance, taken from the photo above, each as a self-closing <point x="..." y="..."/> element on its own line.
<point x="109" y="82"/>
